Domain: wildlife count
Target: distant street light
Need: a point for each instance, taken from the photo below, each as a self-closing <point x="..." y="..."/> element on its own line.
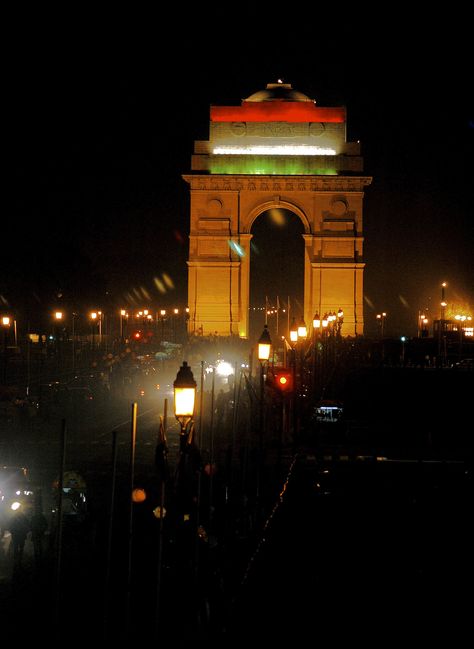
<point x="74" y="315"/>
<point x="123" y="315"/>
<point x="422" y="324"/>
<point x="302" y="329"/>
<point x="443" y="302"/>
<point x="442" y="349"/>
<point x="96" y="316"/>
<point x="93" y="317"/>
<point x="381" y="318"/>
<point x="403" y="341"/>
<point x="6" y="321"/>
<point x="162" y="314"/>
<point x="293" y="332"/>
<point x="58" y="317"/>
<point x="325" y="324"/>
<point x="316" y="324"/>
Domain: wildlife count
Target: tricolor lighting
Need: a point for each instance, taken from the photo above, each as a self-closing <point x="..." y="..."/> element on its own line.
<point x="284" y="149"/>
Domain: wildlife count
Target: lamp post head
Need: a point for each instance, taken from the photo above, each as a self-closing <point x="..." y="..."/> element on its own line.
<point x="184" y="394"/>
<point x="302" y="330"/>
<point x="264" y="345"/>
<point x="293" y="332"/>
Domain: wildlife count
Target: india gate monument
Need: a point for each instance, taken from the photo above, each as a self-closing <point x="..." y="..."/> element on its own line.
<point x="278" y="149"/>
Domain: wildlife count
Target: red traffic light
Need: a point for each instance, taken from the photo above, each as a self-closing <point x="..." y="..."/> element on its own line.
<point x="284" y="380"/>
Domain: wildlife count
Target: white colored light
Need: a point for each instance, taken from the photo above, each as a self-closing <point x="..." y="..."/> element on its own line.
<point x="224" y="368"/>
<point x="282" y="149"/>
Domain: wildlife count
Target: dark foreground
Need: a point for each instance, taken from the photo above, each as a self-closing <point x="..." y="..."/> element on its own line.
<point x="363" y="551"/>
<point x="348" y="548"/>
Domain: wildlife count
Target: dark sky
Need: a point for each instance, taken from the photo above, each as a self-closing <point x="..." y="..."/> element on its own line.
<point x="100" y="122"/>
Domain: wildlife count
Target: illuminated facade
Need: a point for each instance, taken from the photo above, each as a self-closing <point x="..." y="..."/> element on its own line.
<point x="276" y="150"/>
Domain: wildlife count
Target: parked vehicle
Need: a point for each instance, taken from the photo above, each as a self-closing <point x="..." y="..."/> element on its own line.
<point x="328" y="411"/>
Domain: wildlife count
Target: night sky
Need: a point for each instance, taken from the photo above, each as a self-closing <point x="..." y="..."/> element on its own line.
<point x="101" y="119"/>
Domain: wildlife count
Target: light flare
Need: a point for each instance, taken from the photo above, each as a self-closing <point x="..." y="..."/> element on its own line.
<point x="233" y="245"/>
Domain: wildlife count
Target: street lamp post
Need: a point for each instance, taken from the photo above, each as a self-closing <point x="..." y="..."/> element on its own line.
<point x="93" y="316"/>
<point x="100" y="314"/>
<point x="6" y="321"/>
<point x="175" y="318"/>
<point x="316" y="332"/>
<point x="162" y="315"/>
<point x="184" y="400"/>
<point x="403" y="341"/>
<point x="123" y="314"/>
<point x="264" y="348"/>
<point x="442" y="325"/>
<point x="381" y="318"/>
<point x="74" y="314"/>
<point x="293" y="341"/>
<point x="184" y="397"/>
<point x="422" y="324"/>
<point x="58" y="317"/>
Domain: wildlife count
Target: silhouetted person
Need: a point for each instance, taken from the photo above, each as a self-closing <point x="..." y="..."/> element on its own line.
<point x="19" y="528"/>
<point x="39" y="525"/>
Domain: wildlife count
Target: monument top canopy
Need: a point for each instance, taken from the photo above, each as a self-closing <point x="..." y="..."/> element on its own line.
<point x="279" y="92"/>
<point x="278" y="102"/>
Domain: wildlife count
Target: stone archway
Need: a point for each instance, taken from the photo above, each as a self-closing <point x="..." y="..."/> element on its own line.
<point x="276" y="271"/>
<point x="248" y="221"/>
<point x="276" y="150"/>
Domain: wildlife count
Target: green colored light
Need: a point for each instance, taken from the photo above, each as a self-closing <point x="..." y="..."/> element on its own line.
<point x="266" y="165"/>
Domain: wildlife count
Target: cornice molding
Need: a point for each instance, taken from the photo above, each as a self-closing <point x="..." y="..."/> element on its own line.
<point x="237" y="183"/>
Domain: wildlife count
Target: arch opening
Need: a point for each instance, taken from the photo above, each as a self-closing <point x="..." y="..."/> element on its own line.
<point x="276" y="271"/>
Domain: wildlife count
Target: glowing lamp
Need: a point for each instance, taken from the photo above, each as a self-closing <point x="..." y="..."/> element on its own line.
<point x="184" y="394"/>
<point x="293" y="332"/>
<point x="264" y="345"/>
<point x="302" y="330"/>
<point x="316" y="321"/>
